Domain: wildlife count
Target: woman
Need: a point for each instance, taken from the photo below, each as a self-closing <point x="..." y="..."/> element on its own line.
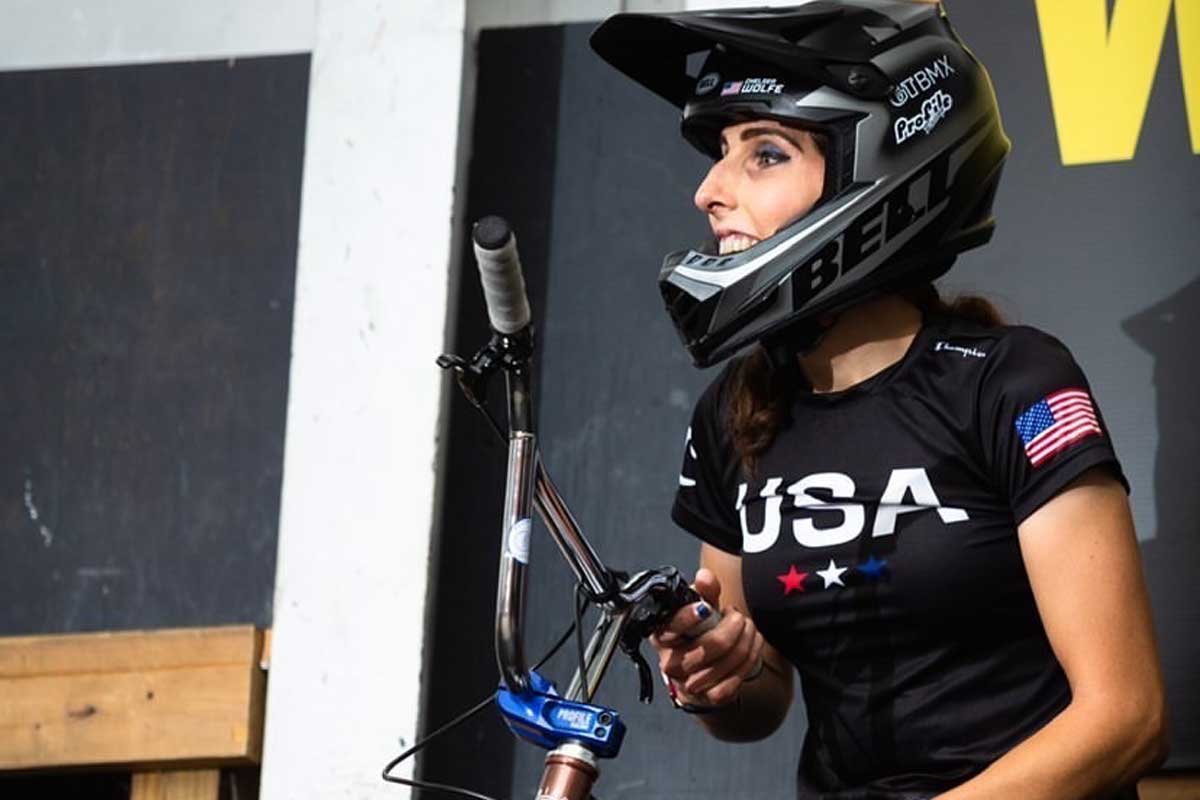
<point x="916" y="509"/>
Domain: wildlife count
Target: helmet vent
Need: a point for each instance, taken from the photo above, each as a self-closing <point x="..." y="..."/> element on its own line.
<point x="881" y="34"/>
<point x="795" y="32"/>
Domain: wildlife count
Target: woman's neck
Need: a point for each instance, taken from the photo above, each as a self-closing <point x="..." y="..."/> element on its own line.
<point x="863" y="341"/>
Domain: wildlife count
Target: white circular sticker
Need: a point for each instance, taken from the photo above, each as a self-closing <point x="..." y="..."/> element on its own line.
<point x="518" y="540"/>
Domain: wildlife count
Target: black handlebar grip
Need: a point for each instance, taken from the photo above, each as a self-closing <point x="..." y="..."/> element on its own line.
<point x="500" y="273"/>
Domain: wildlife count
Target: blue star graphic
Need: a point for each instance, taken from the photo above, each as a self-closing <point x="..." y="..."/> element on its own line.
<point x="873" y="568"/>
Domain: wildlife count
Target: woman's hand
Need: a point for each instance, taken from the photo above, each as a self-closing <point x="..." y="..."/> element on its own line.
<point x="709" y="669"/>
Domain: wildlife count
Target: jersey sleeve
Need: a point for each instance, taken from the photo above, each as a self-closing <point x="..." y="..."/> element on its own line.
<point x="1039" y="421"/>
<point x="704" y="499"/>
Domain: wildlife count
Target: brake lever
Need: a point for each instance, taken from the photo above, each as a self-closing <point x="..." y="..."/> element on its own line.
<point x="653" y="597"/>
<point x="645" y="676"/>
<point x="475" y="374"/>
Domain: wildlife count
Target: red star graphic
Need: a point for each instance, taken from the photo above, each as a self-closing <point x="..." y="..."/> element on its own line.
<point x="793" y="581"/>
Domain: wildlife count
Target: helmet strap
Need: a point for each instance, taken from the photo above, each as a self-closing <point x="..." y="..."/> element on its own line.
<point x="800" y="338"/>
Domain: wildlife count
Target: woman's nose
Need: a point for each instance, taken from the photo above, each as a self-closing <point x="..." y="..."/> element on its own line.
<point x="714" y="192"/>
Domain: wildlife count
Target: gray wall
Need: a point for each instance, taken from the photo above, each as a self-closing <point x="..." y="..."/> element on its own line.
<point x="148" y="224"/>
<point x="1100" y="255"/>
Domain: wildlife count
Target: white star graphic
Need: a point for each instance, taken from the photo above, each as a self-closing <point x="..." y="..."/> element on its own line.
<point x="832" y="574"/>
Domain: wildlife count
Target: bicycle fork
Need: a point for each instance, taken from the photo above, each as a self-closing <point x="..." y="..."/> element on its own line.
<point x="569" y="774"/>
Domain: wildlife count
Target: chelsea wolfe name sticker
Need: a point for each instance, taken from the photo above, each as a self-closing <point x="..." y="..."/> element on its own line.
<point x="753" y="86"/>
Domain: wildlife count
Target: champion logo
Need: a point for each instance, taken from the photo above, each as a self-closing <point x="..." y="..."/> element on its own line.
<point x="943" y="345"/>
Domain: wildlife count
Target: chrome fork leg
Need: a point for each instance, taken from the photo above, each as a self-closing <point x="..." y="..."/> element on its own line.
<point x="569" y="774"/>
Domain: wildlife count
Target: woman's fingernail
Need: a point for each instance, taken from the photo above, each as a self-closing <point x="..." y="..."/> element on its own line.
<point x="702" y="610"/>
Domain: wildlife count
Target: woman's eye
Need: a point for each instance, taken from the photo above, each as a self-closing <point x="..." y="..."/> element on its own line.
<point x="767" y="155"/>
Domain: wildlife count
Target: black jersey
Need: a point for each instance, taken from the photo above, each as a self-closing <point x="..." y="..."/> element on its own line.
<point x="879" y="551"/>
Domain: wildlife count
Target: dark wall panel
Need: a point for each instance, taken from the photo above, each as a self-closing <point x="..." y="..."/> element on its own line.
<point x="148" y="234"/>
<point x="512" y="173"/>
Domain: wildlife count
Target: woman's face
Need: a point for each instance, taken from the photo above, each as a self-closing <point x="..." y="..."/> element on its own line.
<point x="768" y="175"/>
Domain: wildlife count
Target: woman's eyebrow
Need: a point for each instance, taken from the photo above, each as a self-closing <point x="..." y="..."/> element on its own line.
<point x="764" y="130"/>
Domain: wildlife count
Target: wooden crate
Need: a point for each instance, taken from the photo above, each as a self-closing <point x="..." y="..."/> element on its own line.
<point x="174" y="704"/>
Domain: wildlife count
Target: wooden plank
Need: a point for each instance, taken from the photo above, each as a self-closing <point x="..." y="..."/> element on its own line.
<point x="256" y="710"/>
<point x="125" y="651"/>
<point x="265" y="659"/>
<point x="145" y="698"/>
<point x="1184" y="786"/>
<point x="192" y="784"/>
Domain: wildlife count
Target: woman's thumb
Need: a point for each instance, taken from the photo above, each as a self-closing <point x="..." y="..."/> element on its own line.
<point x="708" y="587"/>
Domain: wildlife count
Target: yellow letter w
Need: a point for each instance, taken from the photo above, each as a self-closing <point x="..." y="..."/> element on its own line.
<point x="1100" y="74"/>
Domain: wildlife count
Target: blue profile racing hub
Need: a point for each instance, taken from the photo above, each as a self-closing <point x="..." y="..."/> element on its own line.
<point x="548" y="720"/>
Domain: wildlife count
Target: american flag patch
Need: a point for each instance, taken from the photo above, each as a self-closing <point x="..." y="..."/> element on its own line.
<point x="732" y="87"/>
<point x="1055" y="422"/>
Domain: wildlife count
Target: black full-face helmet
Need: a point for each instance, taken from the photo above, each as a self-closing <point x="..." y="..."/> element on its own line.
<point x="913" y="161"/>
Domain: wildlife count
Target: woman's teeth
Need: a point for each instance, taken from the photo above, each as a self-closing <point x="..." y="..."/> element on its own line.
<point x="735" y="243"/>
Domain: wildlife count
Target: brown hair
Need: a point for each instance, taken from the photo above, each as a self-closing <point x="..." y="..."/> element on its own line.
<point x="761" y="396"/>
